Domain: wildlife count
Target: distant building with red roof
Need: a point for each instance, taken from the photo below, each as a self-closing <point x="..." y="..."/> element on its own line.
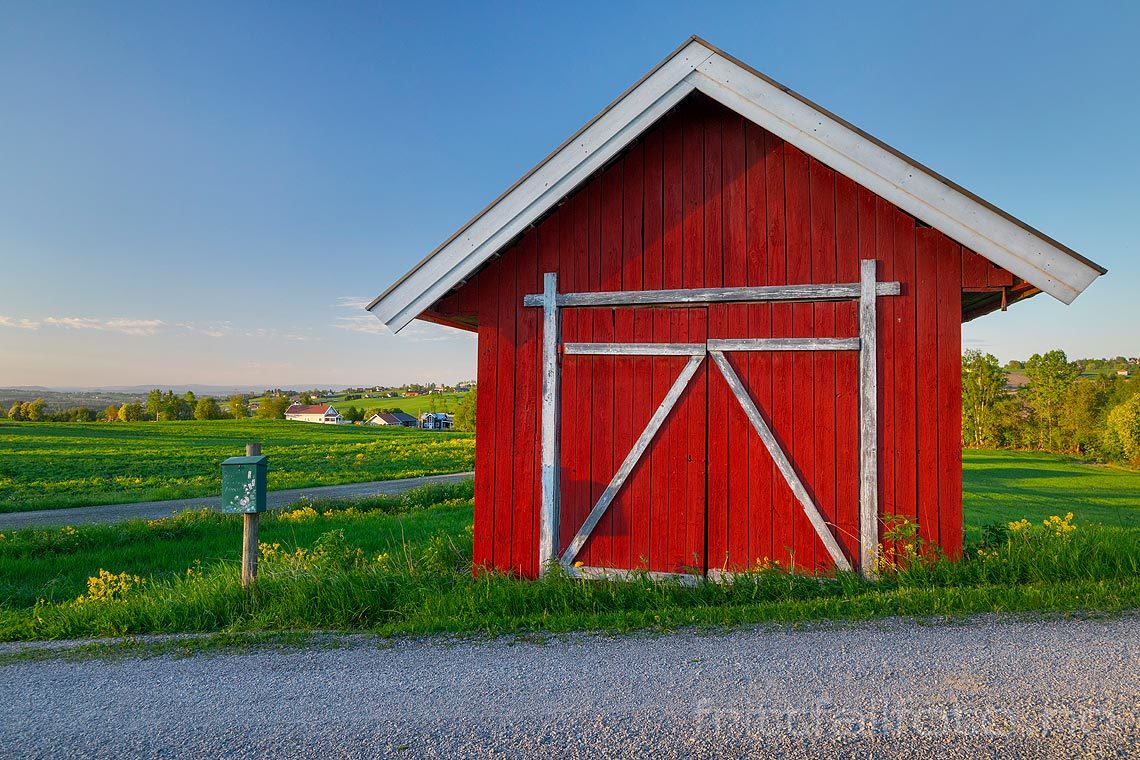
<point x="322" y="413"/>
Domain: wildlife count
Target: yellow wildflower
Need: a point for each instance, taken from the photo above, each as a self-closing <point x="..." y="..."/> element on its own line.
<point x="1060" y="526"/>
<point x="304" y="514"/>
<point x="1019" y="526"/>
<point x="108" y="587"/>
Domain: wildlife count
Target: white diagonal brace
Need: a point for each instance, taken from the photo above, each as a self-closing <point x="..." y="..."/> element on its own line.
<point x="630" y="462"/>
<point x="781" y="460"/>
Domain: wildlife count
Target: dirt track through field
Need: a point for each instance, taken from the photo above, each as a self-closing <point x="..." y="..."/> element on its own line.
<point x="152" y="510"/>
<point x="986" y="687"/>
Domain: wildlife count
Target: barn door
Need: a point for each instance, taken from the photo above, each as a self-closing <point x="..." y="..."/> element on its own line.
<point x="621" y="496"/>
<point x="632" y="441"/>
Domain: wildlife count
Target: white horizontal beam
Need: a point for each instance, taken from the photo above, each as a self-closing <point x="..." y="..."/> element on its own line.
<point x="634" y="349"/>
<point x="614" y="574"/>
<point x="845" y="291"/>
<point x="783" y="344"/>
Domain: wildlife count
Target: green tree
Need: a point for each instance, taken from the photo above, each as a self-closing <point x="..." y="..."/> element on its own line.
<point x="1122" y="434"/>
<point x="465" y="414"/>
<point x="305" y="399"/>
<point x="154" y="403"/>
<point x="1049" y="376"/>
<point x="83" y="414"/>
<point x="16" y="412"/>
<point x="983" y="387"/>
<point x="1081" y="417"/>
<point x="34" y="410"/>
<point x="239" y="408"/>
<point x="207" y="409"/>
<point x="273" y="407"/>
<point x="132" y="412"/>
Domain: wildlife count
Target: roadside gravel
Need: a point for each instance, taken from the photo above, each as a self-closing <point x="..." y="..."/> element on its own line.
<point x="986" y="687"/>
<point x="153" y="510"/>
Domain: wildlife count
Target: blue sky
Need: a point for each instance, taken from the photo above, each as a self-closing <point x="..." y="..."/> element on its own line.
<point x="201" y="192"/>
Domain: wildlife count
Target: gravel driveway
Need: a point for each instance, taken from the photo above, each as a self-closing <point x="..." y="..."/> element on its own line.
<point x="989" y="687"/>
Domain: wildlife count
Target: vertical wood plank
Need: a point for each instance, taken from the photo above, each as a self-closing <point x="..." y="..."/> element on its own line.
<point x="693" y="520"/>
<point x="505" y="422"/>
<point x="847" y="234"/>
<point x="798" y="211"/>
<point x="632" y="533"/>
<point x="949" y="274"/>
<point x="735" y="265"/>
<point x="822" y="200"/>
<point x="657" y="507"/>
<point x="783" y="546"/>
<point x="905" y="451"/>
<point x="886" y="223"/>
<point x="605" y="458"/>
<point x="524" y="550"/>
<point x="975" y="270"/>
<point x="485" y="457"/>
<point x="673" y="210"/>
<point x="926" y="381"/>
<point x="717" y="417"/>
<point x="569" y="449"/>
<point x="759" y="363"/>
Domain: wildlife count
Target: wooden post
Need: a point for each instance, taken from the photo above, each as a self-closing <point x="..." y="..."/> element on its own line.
<point x="250" y="524"/>
<point x="868" y="421"/>
<point x="550" y="512"/>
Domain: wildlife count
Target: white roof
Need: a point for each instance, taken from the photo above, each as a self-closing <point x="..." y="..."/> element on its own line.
<point x="697" y="65"/>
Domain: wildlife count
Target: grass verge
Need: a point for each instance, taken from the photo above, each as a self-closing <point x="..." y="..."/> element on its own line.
<point x="401" y="565"/>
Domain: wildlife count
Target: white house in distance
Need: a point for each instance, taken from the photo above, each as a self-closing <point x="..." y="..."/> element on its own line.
<point x="322" y="413"/>
<point x="436" y="421"/>
<point x="398" y="419"/>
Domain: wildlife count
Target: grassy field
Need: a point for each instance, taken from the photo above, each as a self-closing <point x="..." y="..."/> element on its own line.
<point x="402" y="565"/>
<point x="1007" y="485"/>
<point x="414" y="405"/>
<point x="47" y="465"/>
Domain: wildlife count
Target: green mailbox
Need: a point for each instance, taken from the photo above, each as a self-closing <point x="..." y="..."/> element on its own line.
<point x="243" y="484"/>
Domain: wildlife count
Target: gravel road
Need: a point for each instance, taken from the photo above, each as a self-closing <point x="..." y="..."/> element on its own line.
<point x="989" y="687"/>
<point x="152" y="510"/>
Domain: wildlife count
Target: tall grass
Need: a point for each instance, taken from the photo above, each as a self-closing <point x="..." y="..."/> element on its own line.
<point x="401" y="572"/>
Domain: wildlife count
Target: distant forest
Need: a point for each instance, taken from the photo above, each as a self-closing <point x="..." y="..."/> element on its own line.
<point x="1089" y="407"/>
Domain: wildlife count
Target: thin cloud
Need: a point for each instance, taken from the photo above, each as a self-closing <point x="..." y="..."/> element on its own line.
<point x="352" y="302"/>
<point x="24" y="324"/>
<point x="364" y="323"/>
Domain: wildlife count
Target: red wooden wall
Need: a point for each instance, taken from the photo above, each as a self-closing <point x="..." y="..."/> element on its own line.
<point x="706" y="198"/>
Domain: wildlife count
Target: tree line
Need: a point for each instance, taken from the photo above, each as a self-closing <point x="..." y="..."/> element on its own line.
<point x="1055" y="410"/>
<point x="162" y="406"/>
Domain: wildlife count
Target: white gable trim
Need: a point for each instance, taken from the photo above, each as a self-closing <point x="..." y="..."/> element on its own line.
<point x="697" y="66"/>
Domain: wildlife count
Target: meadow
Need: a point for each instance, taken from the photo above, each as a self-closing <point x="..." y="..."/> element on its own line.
<point x="48" y="465"/>
<point x="401" y="565"/>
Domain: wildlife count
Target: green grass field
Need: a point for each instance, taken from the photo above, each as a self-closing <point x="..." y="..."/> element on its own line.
<point x="415" y="405"/>
<point x="402" y="565"/>
<point x="1008" y="485"/>
<point x="48" y="465"/>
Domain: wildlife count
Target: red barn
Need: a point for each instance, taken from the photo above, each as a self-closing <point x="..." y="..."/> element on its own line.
<point x="720" y="325"/>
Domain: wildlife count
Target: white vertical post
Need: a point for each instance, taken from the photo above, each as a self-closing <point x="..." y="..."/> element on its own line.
<point x="868" y="421"/>
<point x="551" y="337"/>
